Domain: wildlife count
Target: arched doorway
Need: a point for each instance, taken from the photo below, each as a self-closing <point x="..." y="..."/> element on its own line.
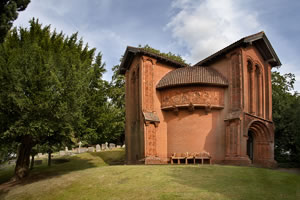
<point x="260" y="143"/>
<point x="250" y="145"/>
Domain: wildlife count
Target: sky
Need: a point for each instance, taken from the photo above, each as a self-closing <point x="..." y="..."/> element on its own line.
<point x="193" y="29"/>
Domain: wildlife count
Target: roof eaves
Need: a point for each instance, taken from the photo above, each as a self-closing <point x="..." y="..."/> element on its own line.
<point x="246" y="40"/>
<point x="132" y="51"/>
<point x="218" y="53"/>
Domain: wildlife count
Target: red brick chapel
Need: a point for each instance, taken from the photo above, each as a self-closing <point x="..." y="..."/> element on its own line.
<point x="222" y="105"/>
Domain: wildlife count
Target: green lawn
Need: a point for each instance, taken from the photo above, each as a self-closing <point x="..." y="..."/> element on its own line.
<point x="97" y="176"/>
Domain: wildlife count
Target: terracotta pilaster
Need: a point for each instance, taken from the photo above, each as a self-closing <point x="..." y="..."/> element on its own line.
<point x="253" y="96"/>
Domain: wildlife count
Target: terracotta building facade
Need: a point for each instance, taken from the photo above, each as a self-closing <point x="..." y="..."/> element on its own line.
<point x="221" y="105"/>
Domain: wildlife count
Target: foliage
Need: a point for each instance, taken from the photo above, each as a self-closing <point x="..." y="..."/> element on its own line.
<point x="44" y="78"/>
<point x="116" y="94"/>
<point x="104" y="119"/>
<point x="7" y="151"/>
<point x="169" y="55"/>
<point x="9" y="12"/>
<point x="286" y="115"/>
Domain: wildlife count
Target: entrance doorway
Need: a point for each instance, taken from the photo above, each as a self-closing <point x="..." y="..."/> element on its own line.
<point x="250" y="145"/>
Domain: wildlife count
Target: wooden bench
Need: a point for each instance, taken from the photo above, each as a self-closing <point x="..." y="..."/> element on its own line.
<point x="177" y="157"/>
<point x="201" y="157"/>
<point x="191" y="156"/>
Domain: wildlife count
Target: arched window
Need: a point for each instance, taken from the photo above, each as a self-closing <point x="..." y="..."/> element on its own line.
<point x="258" y="90"/>
<point x="250" y="86"/>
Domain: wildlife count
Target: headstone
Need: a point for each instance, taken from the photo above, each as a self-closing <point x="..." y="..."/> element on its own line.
<point x="79" y="143"/>
<point x="83" y="149"/>
<point x="62" y="153"/>
<point x="98" y="148"/>
<point x="91" y="149"/>
<point x="106" y="145"/>
<point x="118" y="146"/>
<point x="40" y="155"/>
<point x="123" y="146"/>
<point x="112" y="145"/>
<point x="103" y="146"/>
<point x="66" y="149"/>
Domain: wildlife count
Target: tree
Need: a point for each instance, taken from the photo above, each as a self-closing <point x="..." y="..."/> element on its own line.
<point x="9" y="12"/>
<point x="103" y="117"/>
<point x="286" y="114"/>
<point x="117" y="95"/>
<point x="95" y="110"/>
<point x="44" y="78"/>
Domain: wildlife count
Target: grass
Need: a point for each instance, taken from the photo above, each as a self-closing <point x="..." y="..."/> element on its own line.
<point x="95" y="176"/>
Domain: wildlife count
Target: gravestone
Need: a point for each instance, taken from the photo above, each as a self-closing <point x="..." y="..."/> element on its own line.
<point x="118" y="146"/>
<point x="123" y="146"/>
<point x="91" y="149"/>
<point x="106" y="146"/>
<point x="112" y="145"/>
<point x="103" y="146"/>
<point x="66" y="149"/>
<point x="83" y="149"/>
<point x="98" y="148"/>
<point x="62" y="153"/>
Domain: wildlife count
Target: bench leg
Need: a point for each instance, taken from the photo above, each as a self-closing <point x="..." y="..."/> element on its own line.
<point x="202" y="161"/>
<point x="172" y="161"/>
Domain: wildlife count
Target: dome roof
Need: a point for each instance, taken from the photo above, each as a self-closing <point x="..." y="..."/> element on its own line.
<point x="197" y="75"/>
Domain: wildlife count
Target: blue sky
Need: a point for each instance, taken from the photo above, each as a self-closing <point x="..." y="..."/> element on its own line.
<point x="192" y="28"/>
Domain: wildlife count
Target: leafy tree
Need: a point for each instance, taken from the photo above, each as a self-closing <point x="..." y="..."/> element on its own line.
<point x="95" y="110"/>
<point x="44" y="78"/>
<point x="9" y="12"/>
<point x="117" y="96"/>
<point x="104" y="118"/>
<point x="286" y="114"/>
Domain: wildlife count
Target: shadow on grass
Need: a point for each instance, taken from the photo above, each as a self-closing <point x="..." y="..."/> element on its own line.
<point x="61" y="166"/>
<point x="116" y="157"/>
<point x="230" y="182"/>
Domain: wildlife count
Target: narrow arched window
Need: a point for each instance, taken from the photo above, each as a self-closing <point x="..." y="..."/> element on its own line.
<point x="250" y="86"/>
<point x="258" y="90"/>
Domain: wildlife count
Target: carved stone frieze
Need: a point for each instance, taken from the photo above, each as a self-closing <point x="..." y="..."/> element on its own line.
<point x="195" y="96"/>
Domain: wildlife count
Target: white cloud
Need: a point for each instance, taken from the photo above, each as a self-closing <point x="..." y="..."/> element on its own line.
<point x="206" y="26"/>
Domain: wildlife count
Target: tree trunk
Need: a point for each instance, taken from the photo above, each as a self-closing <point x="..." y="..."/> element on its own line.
<point x="32" y="162"/>
<point x="23" y="160"/>
<point x="49" y="159"/>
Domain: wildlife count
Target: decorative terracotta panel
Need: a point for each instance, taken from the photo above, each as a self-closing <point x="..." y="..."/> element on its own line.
<point x="198" y="96"/>
<point x="148" y="86"/>
<point x="151" y="140"/>
<point x="235" y="82"/>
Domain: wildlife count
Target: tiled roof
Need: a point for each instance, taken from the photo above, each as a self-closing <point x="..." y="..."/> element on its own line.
<point x="197" y="75"/>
